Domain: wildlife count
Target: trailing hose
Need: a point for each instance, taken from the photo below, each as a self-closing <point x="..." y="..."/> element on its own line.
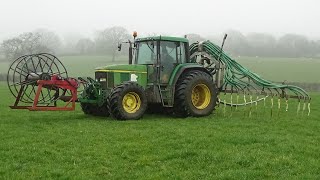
<point x="238" y="77"/>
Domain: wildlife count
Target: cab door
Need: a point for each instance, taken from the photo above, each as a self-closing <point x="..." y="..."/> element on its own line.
<point x="147" y="54"/>
<point x="171" y="54"/>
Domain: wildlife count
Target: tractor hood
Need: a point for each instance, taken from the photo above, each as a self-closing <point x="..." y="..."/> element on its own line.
<point x="123" y="68"/>
<point x="113" y="75"/>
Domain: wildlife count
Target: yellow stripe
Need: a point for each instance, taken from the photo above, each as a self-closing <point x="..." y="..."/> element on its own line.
<point x="121" y="71"/>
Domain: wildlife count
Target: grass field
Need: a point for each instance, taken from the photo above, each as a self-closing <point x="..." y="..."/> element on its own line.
<point x="281" y="69"/>
<point x="228" y="144"/>
<point x="224" y="145"/>
<point x="275" y="69"/>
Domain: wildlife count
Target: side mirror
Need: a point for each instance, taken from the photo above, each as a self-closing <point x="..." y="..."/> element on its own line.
<point x="119" y="46"/>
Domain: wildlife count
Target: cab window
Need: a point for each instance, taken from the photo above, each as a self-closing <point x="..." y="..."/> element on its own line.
<point x="146" y="52"/>
<point x="172" y="52"/>
<point x="182" y="53"/>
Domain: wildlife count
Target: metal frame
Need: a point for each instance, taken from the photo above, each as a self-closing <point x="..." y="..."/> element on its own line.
<point x="55" y="82"/>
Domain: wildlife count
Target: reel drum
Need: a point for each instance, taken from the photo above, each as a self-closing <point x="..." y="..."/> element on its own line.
<point x="24" y="73"/>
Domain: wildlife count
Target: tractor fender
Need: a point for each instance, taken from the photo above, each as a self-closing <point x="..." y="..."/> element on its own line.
<point x="182" y="69"/>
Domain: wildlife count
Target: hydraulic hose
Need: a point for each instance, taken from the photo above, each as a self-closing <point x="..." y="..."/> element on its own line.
<point x="235" y="74"/>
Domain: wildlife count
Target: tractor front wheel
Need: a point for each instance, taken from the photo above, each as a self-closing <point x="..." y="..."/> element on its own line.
<point x="92" y="109"/>
<point x="87" y="108"/>
<point x="195" y="95"/>
<point x="127" y="101"/>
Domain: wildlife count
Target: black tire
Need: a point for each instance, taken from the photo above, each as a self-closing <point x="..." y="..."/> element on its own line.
<point x="158" y="109"/>
<point x="87" y="108"/>
<point x="92" y="109"/>
<point x="117" y="102"/>
<point x="183" y="102"/>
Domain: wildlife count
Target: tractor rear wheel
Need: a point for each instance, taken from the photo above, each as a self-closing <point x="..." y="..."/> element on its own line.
<point x="92" y="109"/>
<point x="127" y="101"/>
<point x="195" y="95"/>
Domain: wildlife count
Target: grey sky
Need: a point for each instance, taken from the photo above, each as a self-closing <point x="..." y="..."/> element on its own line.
<point x="162" y="16"/>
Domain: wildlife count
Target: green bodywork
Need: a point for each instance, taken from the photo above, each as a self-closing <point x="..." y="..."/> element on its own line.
<point x="126" y="72"/>
<point x="146" y="75"/>
<point x="107" y="77"/>
<point x="179" y="69"/>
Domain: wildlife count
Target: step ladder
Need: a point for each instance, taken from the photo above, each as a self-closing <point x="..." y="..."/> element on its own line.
<point x="166" y="96"/>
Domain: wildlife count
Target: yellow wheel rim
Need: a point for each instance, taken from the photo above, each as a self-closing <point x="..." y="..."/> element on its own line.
<point x="131" y="102"/>
<point x="201" y="96"/>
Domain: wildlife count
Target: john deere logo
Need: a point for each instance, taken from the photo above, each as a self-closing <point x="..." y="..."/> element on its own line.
<point x="133" y="77"/>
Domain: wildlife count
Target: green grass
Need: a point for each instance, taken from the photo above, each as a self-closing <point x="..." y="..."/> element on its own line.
<point x="274" y="69"/>
<point x="281" y="69"/>
<point x="85" y="65"/>
<point x="71" y="145"/>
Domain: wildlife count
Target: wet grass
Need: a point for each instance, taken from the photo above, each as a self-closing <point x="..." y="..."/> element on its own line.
<point x="225" y="145"/>
<point x="303" y="70"/>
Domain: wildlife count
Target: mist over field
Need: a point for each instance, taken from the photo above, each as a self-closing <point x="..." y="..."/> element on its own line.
<point x="256" y="28"/>
<point x="278" y="34"/>
<point x="205" y="17"/>
<point x="250" y="112"/>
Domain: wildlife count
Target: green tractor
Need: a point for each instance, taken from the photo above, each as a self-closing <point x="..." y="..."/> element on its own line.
<point x="160" y="75"/>
<point x="164" y="74"/>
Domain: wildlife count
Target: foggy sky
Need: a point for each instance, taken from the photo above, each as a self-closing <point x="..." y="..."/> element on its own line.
<point x="178" y="17"/>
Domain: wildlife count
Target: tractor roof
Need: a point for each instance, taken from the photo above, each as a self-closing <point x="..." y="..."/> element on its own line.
<point x="164" y="38"/>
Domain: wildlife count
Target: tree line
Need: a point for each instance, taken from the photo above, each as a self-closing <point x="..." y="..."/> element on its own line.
<point x="264" y="45"/>
<point x="41" y="40"/>
<point x="105" y="42"/>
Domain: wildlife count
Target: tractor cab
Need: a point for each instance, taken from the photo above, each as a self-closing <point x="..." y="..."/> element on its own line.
<point x="161" y="54"/>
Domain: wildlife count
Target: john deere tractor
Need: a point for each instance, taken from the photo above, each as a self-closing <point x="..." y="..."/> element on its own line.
<point x="160" y="74"/>
<point x="164" y="73"/>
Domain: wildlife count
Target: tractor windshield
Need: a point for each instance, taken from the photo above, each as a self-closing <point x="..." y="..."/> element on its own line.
<point x="146" y="52"/>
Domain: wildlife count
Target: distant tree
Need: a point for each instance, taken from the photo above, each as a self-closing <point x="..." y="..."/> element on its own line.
<point x="217" y="39"/>
<point x="317" y="48"/>
<point x="314" y="49"/>
<point x="85" y="46"/>
<point x="70" y="41"/>
<point x="108" y="39"/>
<point x="292" y="45"/>
<point x="261" y="44"/>
<point x="194" y="38"/>
<point x="49" y="39"/>
<point x="27" y="43"/>
<point x="11" y="48"/>
<point x="236" y="43"/>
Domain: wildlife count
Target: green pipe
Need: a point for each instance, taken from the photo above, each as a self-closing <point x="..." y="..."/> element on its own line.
<point x="233" y="69"/>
